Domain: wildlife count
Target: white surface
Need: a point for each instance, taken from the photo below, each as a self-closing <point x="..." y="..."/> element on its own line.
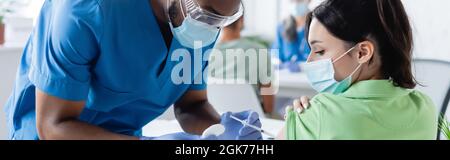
<point x="162" y="127"/>
<point x="9" y="60"/>
<point x="234" y="98"/>
<point x="431" y="26"/>
<point x="214" y="130"/>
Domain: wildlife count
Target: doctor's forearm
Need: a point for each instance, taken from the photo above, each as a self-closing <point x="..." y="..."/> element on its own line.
<point x="196" y="117"/>
<point x="57" y="119"/>
<point x="77" y="130"/>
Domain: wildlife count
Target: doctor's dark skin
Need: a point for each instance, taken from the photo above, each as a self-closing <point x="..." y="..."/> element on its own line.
<point x="58" y="119"/>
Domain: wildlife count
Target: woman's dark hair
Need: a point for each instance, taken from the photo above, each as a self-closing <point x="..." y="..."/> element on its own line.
<point x="382" y="21"/>
<point x="290" y="29"/>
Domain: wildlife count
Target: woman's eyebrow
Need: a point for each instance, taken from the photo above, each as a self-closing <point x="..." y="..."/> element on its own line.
<point x="315" y="42"/>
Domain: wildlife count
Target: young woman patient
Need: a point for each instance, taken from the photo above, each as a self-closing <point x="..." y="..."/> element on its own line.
<point x="361" y="64"/>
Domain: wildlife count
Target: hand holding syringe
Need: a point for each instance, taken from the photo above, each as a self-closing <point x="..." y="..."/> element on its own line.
<point x="254" y="127"/>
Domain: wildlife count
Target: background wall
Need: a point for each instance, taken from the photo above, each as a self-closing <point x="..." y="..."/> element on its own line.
<point x="431" y="24"/>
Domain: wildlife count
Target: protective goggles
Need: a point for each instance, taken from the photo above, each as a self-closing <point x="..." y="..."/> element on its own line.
<point x="194" y="10"/>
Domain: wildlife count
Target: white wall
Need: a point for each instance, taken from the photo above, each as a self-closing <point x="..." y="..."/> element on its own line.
<point x="431" y="25"/>
<point x="261" y="17"/>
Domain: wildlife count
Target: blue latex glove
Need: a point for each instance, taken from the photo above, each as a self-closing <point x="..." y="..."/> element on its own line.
<point x="180" y="136"/>
<point x="234" y="130"/>
<point x="281" y="66"/>
<point x="293" y="67"/>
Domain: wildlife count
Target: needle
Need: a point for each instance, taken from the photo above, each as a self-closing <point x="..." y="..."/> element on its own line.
<point x="252" y="126"/>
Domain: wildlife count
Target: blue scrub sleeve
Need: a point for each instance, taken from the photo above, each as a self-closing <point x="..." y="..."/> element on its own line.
<point x="68" y="47"/>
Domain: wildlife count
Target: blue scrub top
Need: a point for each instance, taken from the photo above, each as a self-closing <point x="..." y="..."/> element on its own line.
<point x="109" y="53"/>
<point x="287" y="50"/>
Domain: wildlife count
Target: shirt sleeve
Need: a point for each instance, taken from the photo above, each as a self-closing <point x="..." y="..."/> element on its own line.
<point x="65" y="47"/>
<point x="304" y="126"/>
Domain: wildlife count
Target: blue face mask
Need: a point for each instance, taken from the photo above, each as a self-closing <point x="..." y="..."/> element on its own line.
<point x="192" y="31"/>
<point x="300" y="9"/>
<point x="321" y="76"/>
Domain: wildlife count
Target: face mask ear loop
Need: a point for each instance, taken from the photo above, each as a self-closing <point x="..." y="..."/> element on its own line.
<point x="337" y="59"/>
<point x="357" y="68"/>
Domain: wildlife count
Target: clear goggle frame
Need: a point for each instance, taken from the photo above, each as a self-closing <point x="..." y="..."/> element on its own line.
<point x="194" y="10"/>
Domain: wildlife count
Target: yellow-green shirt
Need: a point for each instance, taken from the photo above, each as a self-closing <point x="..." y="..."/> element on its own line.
<point x="368" y="110"/>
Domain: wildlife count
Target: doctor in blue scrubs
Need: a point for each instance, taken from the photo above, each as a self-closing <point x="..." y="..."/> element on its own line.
<point x="101" y="69"/>
<point x="290" y="37"/>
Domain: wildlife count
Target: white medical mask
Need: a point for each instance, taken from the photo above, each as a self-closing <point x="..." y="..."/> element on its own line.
<point x="192" y="31"/>
<point x="321" y="76"/>
<point x="300" y="9"/>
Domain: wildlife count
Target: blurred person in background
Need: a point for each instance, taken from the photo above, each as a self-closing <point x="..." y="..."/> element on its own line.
<point x="290" y="37"/>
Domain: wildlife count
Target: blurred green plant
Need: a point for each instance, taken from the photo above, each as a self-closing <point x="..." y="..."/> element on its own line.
<point x="5" y="8"/>
<point x="444" y="126"/>
<point x="10" y="6"/>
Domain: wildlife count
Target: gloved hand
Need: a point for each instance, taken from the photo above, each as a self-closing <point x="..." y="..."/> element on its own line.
<point x="180" y="136"/>
<point x="293" y="67"/>
<point x="235" y="130"/>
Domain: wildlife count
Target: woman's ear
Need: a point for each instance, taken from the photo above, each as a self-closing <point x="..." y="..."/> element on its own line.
<point x="366" y="52"/>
